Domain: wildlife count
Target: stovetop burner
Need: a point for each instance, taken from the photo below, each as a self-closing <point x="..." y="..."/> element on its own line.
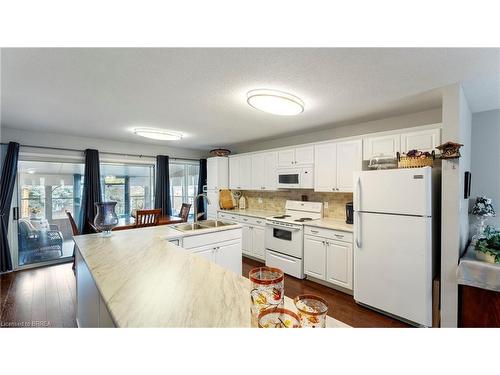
<point x="281" y="217"/>
<point x="302" y="219"/>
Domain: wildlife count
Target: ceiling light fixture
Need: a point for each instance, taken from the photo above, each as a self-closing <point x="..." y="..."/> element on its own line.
<point x="275" y="102"/>
<point x="163" y="135"/>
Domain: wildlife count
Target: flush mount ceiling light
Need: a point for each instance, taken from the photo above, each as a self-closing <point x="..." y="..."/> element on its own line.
<point x="163" y="135"/>
<point x="275" y="102"/>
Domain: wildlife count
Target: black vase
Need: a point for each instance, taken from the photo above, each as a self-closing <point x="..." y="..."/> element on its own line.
<point x="106" y="218"/>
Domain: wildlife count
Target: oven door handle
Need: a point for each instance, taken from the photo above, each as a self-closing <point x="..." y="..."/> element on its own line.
<point x="283" y="228"/>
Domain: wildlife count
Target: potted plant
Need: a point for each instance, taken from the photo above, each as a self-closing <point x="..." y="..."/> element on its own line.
<point x="488" y="247"/>
<point x="483" y="209"/>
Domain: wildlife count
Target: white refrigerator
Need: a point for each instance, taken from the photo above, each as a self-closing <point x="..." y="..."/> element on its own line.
<point x="393" y="242"/>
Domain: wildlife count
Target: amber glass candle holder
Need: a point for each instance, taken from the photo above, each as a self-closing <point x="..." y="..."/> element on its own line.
<point x="311" y="310"/>
<point x="267" y="290"/>
<point x="278" y="318"/>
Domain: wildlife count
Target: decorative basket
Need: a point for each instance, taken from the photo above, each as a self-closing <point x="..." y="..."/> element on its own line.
<point x="415" y="162"/>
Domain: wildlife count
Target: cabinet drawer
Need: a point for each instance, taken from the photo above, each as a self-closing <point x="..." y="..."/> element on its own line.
<point x="331" y="234"/>
<point x="250" y="220"/>
<point x="211" y="238"/>
<point x="229" y="216"/>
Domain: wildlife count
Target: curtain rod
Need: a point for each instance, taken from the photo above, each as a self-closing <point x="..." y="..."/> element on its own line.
<point x="101" y="152"/>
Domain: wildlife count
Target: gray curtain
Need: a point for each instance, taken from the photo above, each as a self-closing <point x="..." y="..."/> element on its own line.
<point x="162" y="189"/>
<point x="91" y="190"/>
<point x="7" y="183"/>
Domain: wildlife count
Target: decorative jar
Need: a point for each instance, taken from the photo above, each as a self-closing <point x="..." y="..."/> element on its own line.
<point x="267" y="290"/>
<point x="311" y="310"/>
<point x="106" y="218"/>
<point x="278" y="318"/>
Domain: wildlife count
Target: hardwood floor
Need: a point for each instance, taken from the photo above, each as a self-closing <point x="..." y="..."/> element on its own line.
<point x="40" y="297"/>
<point x="341" y="306"/>
<point x="45" y="297"/>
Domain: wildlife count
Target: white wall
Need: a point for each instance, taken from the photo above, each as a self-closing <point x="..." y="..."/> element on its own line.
<point x="454" y="210"/>
<point x="103" y="145"/>
<point x="486" y="159"/>
<point x="347" y="130"/>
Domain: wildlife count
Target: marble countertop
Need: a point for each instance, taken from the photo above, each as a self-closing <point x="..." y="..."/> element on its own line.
<point x="145" y="281"/>
<point x="261" y="214"/>
<point x="331" y="224"/>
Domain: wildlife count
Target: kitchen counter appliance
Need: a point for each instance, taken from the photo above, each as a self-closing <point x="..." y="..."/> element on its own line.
<point x="284" y="237"/>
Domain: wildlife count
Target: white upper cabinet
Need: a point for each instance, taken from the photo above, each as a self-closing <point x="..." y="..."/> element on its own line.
<point x="240" y="172"/>
<point x="258" y="171"/>
<point x="349" y="160"/>
<point x="325" y="167"/>
<point x="286" y="158"/>
<point x="304" y="155"/>
<point x="271" y="160"/>
<point x="234" y="172"/>
<point x="264" y="170"/>
<point x="297" y="156"/>
<point x="334" y="165"/>
<point x="383" y="145"/>
<point x="422" y="140"/>
<point x="217" y="173"/>
<point x="246" y="172"/>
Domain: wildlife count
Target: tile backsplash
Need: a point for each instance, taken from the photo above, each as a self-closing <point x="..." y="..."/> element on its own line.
<point x="275" y="200"/>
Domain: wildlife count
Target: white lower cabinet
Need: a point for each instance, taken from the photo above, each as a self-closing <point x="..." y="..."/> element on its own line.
<point x="328" y="258"/>
<point x="246" y="239"/>
<point x="314" y="257"/>
<point x="258" y="245"/>
<point x="223" y="248"/>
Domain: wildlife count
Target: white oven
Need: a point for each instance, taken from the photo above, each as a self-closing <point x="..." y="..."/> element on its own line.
<point x="295" y="178"/>
<point x="285" y="238"/>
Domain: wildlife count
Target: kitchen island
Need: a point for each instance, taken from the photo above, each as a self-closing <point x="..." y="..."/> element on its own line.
<point x="137" y="278"/>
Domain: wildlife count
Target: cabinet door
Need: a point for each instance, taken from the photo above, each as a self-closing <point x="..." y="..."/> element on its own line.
<point x="246" y="239"/>
<point x="339" y="263"/>
<point x="386" y="145"/>
<point x="234" y="173"/>
<point x="304" y="155"/>
<point x="423" y="140"/>
<point x="258" y="171"/>
<point x="212" y="174"/>
<point x="286" y="158"/>
<point x="271" y="179"/>
<point x="258" y="246"/>
<point x="205" y="252"/>
<point x="229" y="256"/>
<point x="348" y="162"/>
<point x="314" y="257"/>
<point x="325" y="167"/>
<point x="246" y="172"/>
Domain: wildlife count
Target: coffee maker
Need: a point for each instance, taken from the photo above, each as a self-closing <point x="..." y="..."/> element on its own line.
<point x="349" y="213"/>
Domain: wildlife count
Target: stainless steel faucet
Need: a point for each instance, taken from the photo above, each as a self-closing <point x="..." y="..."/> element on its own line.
<point x="196" y="205"/>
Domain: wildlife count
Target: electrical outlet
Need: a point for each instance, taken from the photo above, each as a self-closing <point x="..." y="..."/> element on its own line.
<point x="325" y="205"/>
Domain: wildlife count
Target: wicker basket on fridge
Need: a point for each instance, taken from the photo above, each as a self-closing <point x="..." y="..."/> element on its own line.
<point x="415" y="162"/>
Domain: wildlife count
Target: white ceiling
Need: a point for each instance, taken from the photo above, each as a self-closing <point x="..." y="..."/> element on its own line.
<point x="105" y="92"/>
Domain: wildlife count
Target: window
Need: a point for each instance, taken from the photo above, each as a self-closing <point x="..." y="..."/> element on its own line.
<point x="131" y="186"/>
<point x="183" y="184"/>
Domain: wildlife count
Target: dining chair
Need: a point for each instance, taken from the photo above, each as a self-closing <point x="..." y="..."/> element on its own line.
<point x="147" y="218"/>
<point x="184" y="212"/>
<point x="76" y="232"/>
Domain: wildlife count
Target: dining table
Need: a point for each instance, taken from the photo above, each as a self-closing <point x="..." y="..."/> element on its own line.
<point x="129" y="222"/>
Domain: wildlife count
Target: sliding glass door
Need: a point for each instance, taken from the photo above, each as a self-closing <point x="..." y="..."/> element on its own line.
<point x="46" y="192"/>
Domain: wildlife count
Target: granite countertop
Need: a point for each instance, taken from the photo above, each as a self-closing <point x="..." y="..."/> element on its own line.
<point x="145" y="281"/>
<point x="262" y="214"/>
<point x="329" y="223"/>
<point x="477" y="273"/>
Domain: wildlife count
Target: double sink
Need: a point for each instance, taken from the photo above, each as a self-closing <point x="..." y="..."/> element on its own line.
<point x="202" y="224"/>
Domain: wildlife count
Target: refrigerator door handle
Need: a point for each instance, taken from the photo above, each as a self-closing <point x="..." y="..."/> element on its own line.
<point x="357" y="206"/>
<point x="358" y="230"/>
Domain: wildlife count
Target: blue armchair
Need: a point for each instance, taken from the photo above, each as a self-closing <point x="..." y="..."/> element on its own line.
<point x="36" y="242"/>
